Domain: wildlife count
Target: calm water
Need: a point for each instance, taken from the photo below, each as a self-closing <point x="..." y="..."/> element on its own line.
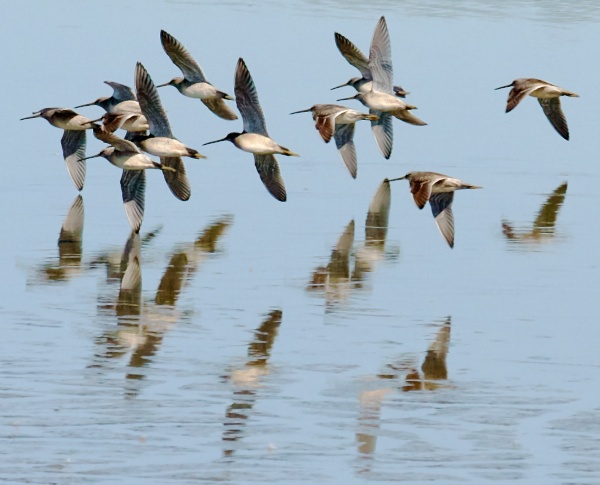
<point x="331" y="339"/>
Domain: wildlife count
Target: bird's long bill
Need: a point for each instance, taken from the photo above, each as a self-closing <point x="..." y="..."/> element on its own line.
<point x="215" y="141"/>
<point x="35" y="115"/>
<point x="86" y="104"/>
<point x="87" y="158"/>
<point x="399" y="178"/>
<point x="340" y="86"/>
<point x="302" y="111"/>
<point x="163" y="85"/>
<point x="502" y="87"/>
<point x="344" y="99"/>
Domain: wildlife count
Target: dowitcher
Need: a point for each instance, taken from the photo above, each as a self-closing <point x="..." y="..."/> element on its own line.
<point x="254" y="138"/>
<point x="73" y="140"/>
<point x="193" y="83"/>
<point x="381" y="100"/>
<point x="338" y="121"/>
<point x="548" y="95"/>
<point x="361" y="62"/>
<point x="127" y="156"/>
<point x="438" y="189"/>
<point x="121" y="94"/>
<point x="161" y="141"/>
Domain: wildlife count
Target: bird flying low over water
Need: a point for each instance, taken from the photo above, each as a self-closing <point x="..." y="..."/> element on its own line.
<point x="193" y="83"/>
<point x="161" y="141"/>
<point x="127" y="156"/>
<point x="338" y="121"/>
<point x="380" y="99"/>
<point x="73" y="140"/>
<point x="361" y="62"/>
<point x="548" y="95"/>
<point x="254" y="138"/>
<point x="438" y="189"/>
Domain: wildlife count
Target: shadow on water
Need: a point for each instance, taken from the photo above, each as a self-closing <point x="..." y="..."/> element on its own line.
<point x="141" y="325"/>
<point x="246" y="380"/>
<point x="69" y="248"/>
<point x="403" y="375"/>
<point x="337" y="280"/>
<point x="543" y="229"/>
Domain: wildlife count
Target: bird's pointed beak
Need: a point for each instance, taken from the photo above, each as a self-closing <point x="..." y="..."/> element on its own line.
<point x="87" y="158"/>
<point x="399" y="178"/>
<point x="86" y="104"/>
<point x="340" y="86"/>
<point x="214" y="141"/>
<point x="507" y="86"/>
<point x="344" y="99"/>
<point x="163" y="85"/>
<point x="302" y="111"/>
<point x="35" y="115"/>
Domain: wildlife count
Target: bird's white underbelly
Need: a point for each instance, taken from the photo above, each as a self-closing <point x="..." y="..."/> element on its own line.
<point x="258" y="144"/>
<point x="199" y="90"/>
<point x="164" y="147"/>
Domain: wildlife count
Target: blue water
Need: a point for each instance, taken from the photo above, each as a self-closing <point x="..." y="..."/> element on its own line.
<point x="257" y="341"/>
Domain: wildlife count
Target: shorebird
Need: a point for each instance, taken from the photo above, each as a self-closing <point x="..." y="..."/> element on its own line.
<point x="548" y="95"/>
<point x="338" y="121"/>
<point x="438" y="189"/>
<point x="73" y="140"/>
<point x="254" y="138"/>
<point x="161" y="141"/>
<point x="127" y="156"/>
<point x="380" y="99"/>
<point x="361" y="62"/>
<point x="121" y="94"/>
<point x="193" y="83"/>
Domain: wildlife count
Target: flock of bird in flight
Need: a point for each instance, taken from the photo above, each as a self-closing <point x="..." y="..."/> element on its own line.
<point x="142" y="112"/>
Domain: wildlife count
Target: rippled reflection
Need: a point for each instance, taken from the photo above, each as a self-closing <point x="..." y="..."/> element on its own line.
<point x="247" y="379"/>
<point x="346" y="270"/>
<point x="430" y="377"/>
<point x="141" y="325"/>
<point x="543" y="226"/>
<point x="69" y="247"/>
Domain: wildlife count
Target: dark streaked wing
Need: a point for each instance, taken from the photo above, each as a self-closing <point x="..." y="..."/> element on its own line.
<point x="343" y="140"/>
<point x="73" y="148"/>
<point x="219" y="107"/>
<point x="246" y="98"/>
<point x="383" y="130"/>
<point x="353" y="55"/>
<point x="268" y="169"/>
<point x="72" y="226"/>
<point x="441" y="207"/>
<point x="119" y="143"/>
<point x="121" y="92"/>
<point x="150" y="104"/>
<point x="177" y="181"/>
<point x="556" y="117"/>
<point x="325" y="124"/>
<point x="133" y="190"/>
<point x="182" y="58"/>
<point x="518" y="93"/>
<point x="380" y="58"/>
<point x="421" y="190"/>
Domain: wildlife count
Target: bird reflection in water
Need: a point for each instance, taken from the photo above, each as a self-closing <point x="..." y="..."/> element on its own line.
<point x="141" y="325"/>
<point x="338" y="278"/>
<point x="69" y="247"/>
<point x="246" y="379"/>
<point x="432" y="376"/>
<point x="543" y="225"/>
